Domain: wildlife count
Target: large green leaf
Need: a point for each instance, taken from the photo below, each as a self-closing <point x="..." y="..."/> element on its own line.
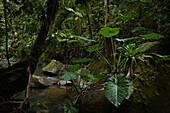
<point x="116" y="89"/>
<point x="152" y="36"/>
<point x="68" y="75"/>
<point x="83" y="38"/>
<point x="146" y="46"/>
<point x="95" y="47"/>
<point x="163" y="57"/>
<point x="109" y="32"/>
<point x="130" y="91"/>
<point x="68" y="108"/>
<point x="126" y="39"/>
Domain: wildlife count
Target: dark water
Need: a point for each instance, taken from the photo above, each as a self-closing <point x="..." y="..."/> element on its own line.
<point x="52" y="97"/>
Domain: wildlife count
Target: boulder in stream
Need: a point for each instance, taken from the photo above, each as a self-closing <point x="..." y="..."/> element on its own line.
<point x="41" y="81"/>
<point x="53" y="67"/>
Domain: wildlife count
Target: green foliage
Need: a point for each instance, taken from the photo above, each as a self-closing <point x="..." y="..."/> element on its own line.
<point x="131" y="53"/>
<point x="68" y="75"/>
<point x="90" y="76"/>
<point x="95" y="47"/>
<point x="130" y="90"/>
<point x="152" y="36"/>
<point x="80" y="60"/>
<point x="126" y="39"/>
<point x="117" y="89"/>
<point x="73" y="68"/>
<point x="141" y="20"/>
<point x="146" y="46"/>
<point x="83" y="38"/>
<point x="94" y="79"/>
<point x="109" y="32"/>
<point x="129" y="50"/>
<point x="162" y="57"/>
<point x="137" y="29"/>
<point x="77" y="13"/>
<point x="68" y="108"/>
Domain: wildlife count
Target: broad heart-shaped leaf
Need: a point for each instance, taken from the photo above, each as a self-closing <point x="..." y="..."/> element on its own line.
<point x="68" y="75"/>
<point x="116" y="89"/>
<point x="130" y="91"/>
<point x="109" y="32"/>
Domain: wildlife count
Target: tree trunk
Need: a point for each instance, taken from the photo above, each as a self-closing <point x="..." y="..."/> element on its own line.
<point x="88" y="17"/>
<point x="107" y="41"/>
<point x="15" y="78"/>
<point x="6" y="32"/>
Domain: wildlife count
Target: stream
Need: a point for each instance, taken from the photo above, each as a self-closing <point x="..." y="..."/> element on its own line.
<point x="52" y="97"/>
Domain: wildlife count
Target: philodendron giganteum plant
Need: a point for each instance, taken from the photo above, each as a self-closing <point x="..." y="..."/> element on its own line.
<point x="118" y="87"/>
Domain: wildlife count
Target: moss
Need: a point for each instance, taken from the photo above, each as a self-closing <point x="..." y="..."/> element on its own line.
<point x="98" y="66"/>
<point x="152" y="90"/>
<point x="53" y="67"/>
<point x="144" y="83"/>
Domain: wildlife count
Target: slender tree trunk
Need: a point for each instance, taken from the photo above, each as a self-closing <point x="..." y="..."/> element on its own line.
<point x="88" y="17"/>
<point x="107" y="42"/>
<point x="6" y="32"/>
<point x="140" y="10"/>
<point x="106" y="10"/>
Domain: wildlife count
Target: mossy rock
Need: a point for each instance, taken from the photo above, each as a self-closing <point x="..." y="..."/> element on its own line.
<point x="53" y="67"/>
<point x="12" y="60"/>
<point x="98" y="66"/>
<point x="36" y="84"/>
<point x="96" y="102"/>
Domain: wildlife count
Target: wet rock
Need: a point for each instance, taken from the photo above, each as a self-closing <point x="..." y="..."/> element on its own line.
<point x="36" y="84"/>
<point x="41" y="81"/>
<point x="53" y="67"/>
<point x="64" y="83"/>
<point x="38" y="71"/>
<point x="4" y="62"/>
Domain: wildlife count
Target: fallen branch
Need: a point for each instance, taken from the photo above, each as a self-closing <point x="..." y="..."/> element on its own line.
<point x="27" y="90"/>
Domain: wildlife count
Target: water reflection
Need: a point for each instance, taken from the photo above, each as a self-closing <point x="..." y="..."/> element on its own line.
<point x="53" y="97"/>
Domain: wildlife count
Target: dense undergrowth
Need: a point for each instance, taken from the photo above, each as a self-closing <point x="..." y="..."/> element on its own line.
<point x="128" y="38"/>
